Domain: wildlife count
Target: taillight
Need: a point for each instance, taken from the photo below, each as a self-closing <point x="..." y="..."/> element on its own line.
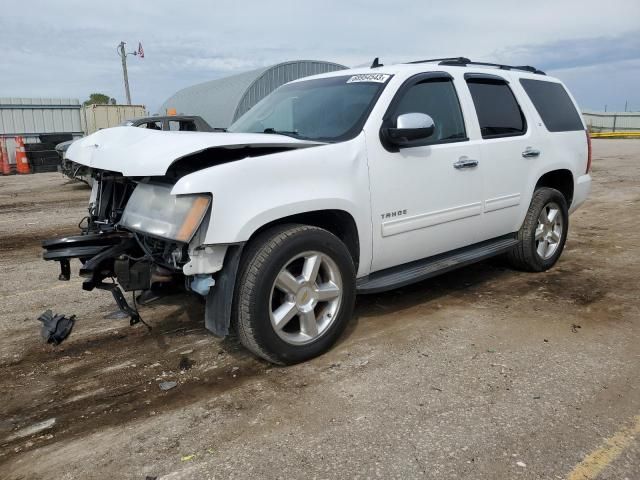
<point x="588" y="152"/>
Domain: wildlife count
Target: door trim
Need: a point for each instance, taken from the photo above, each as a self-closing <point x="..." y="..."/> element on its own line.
<point x="501" y="202"/>
<point x="430" y="219"/>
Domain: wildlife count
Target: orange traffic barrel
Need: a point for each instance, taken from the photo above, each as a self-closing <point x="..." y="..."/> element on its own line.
<point x="4" y="158"/>
<point x="22" y="164"/>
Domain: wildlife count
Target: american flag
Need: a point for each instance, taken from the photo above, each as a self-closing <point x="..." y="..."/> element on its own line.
<point x="140" y="50"/>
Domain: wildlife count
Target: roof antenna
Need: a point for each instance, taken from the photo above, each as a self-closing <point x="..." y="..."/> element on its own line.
<point x="376" y="63"/>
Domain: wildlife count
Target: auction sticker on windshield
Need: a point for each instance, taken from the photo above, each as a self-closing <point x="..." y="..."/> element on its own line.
<point x="369" y="77"/>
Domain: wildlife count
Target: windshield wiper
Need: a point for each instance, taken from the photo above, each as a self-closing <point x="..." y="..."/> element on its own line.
<point x="294" y="133"/>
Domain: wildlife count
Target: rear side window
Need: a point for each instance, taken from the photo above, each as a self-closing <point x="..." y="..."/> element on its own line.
<point x="182" y="126"/>
<point x="151" y="125"/>
<point x="498" y="111"/>
<point x="553" y="105"/>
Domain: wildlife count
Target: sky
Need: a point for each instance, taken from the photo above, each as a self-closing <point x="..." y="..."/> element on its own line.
<point x="67" y="48"/>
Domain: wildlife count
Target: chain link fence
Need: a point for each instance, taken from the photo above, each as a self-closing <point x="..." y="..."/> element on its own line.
<point x="604" y="122"/>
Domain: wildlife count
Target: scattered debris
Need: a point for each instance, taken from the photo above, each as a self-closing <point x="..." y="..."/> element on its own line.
<point x="56" y="328"/>
<point x="32" y="429"/>
<point x="185" y="363"/>
<point x="521" y="464"/>
<point x="164" y="386"/>
<point x="575" y="327"/>
<point x="116" y="315"/>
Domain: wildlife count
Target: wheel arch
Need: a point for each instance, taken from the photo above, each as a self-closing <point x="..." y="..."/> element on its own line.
<point x="339" y="222"/>
<point x="561" y="179"/>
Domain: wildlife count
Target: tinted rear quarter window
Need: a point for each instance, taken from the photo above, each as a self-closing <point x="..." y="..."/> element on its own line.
<point x="498" y="111"/>
<point x="553" y="105"/>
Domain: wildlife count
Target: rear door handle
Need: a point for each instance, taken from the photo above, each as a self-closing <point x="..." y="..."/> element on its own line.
<point x="465" y="163"/>
<point x="530" y="153"/>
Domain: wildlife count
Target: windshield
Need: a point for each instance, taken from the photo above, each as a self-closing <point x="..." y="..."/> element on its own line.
<point x="327" y="109"/>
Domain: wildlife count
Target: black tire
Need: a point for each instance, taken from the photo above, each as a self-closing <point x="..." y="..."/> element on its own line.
<point x="525" y="256"/>
<point x="262" y="261"/>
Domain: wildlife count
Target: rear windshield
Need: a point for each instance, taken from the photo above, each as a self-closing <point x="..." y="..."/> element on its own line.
<point x="554" y="105"/>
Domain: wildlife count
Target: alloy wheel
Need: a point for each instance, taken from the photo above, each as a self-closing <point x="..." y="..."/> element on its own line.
<point x="305" y="298"/>
<point x="548" y="233"/>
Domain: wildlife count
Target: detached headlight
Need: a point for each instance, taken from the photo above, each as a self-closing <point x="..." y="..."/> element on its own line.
<point x="153" y="210"/>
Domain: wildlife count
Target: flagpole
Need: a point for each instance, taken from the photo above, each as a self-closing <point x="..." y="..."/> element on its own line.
<point x="123" y="56"/>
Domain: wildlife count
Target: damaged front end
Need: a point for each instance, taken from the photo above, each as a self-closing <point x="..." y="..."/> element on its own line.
<point x="137" y="238"/>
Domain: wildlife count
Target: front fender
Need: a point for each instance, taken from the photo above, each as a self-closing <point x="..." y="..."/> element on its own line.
<point x="255" y="191"/>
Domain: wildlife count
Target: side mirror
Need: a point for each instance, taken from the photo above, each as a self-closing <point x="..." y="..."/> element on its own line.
<point x="409" y="128"/>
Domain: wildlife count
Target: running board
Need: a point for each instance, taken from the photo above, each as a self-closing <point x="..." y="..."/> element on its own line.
<point x="418" y="270"/>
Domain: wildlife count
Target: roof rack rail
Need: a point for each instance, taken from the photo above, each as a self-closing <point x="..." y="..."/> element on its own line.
<point x="448" y="59"/>
<point x="463" y="62"/>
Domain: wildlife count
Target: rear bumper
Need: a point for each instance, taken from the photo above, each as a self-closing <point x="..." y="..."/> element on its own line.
<point x="581" y="192"/>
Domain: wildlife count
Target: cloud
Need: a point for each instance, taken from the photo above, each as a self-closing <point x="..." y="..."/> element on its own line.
<point x="576" y="52"/>
<point x="601" y="70"/>
<point x="67" y="48"/>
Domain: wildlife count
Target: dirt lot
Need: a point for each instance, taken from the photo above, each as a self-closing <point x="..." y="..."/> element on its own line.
<point x="484" y="373"/>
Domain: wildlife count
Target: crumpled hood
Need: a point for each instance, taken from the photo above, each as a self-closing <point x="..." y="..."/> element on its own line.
<point x="140" y="152"/>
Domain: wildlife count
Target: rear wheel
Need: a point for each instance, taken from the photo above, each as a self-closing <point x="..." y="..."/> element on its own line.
<point x="295" y="293"/>
<point x="543" y="233"/>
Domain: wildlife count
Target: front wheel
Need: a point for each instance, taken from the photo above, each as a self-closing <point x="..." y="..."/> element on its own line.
<point x="543" y="233"/>
<point x="295" y="295"/>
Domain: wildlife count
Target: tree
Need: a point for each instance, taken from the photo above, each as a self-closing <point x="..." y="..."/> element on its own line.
<point x="99" y="99"/>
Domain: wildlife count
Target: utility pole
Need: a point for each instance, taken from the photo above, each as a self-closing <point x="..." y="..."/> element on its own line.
<point x="123" y="57"/>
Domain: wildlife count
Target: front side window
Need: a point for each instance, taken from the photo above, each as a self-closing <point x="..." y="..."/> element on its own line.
<point x="327" y="109"/>
<point x="498" y="111"/>
<point x="438" y="99"/>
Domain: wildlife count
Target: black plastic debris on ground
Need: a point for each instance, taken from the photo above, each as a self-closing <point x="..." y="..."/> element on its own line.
<point x="56" y="328"/>
<point x="185" y="363"/>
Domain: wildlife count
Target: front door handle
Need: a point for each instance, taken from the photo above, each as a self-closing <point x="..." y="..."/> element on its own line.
<point x="465" y="163"/>
<point x="530" y="153"/>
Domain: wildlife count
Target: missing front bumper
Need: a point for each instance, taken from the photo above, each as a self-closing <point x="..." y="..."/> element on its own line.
<point x="97" y="252"/>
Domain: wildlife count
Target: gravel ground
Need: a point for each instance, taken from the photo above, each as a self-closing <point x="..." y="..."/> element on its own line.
<point x="483" y="373"/>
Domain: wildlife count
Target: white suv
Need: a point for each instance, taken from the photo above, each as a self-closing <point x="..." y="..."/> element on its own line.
<point x="356" y="181"/>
